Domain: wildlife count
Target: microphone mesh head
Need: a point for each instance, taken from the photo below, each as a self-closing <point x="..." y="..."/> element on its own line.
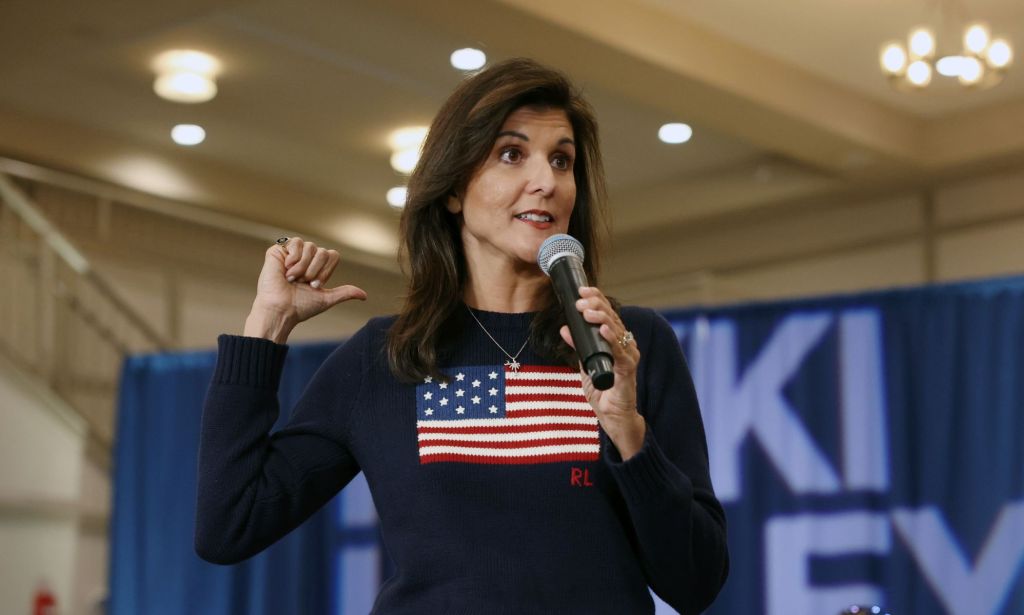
<point x="555" y="247"/>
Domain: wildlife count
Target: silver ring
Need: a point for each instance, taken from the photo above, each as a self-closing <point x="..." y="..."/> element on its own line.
<point x="282" y="240"/>
<point x="626" y="339"/>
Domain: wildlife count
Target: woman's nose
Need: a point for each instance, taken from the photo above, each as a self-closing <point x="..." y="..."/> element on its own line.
<point x="541" y="178"/>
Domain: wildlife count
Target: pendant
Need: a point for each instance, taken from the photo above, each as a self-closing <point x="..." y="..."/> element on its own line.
<point x="512" y="364"/>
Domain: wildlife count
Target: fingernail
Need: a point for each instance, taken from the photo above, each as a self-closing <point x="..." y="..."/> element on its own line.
<point x="291" y="278"/>
<point x="315" y="283"/>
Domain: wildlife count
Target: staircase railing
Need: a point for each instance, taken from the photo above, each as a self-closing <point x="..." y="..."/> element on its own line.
<point x="60" y="320"/>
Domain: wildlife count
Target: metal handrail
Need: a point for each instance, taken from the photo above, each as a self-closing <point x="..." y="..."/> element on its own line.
<point x="54" y="288"/>
<point x="74" y="259"/>
<point x="183" y="211"/>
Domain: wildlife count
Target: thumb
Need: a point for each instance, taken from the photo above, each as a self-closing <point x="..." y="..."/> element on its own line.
<point x="339" y="294"/>
<point x="275" y="258"/>
<point x="564" y="331"/>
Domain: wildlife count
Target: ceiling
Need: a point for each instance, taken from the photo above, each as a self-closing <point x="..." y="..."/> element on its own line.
<point x="785" y="98"/>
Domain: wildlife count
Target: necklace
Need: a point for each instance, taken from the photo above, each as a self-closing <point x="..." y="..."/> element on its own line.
<point x="512" y="362"/>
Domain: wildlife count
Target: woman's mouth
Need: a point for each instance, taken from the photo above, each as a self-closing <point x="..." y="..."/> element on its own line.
<point x="536" y="219"/>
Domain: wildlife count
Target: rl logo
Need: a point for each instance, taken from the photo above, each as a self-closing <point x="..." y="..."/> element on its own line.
<point x="580" y="477"/>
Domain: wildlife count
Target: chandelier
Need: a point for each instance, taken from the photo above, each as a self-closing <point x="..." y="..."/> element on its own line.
<point x="980" y="62"/>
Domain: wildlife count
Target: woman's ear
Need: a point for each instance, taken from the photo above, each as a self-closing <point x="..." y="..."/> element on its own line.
<point x="454" y="204"/>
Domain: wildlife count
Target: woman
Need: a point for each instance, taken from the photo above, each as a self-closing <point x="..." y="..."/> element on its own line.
<point x="504" y="482"/>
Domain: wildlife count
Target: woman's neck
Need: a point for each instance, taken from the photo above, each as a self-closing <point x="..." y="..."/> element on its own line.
<point x="509" y="292"/>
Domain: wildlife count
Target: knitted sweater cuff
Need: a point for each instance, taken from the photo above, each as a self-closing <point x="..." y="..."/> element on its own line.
<point x="648" y="474"/>
<point x="249" y="361"/>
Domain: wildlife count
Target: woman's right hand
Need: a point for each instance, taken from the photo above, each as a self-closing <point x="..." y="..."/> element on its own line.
<point x="291" y="289"/>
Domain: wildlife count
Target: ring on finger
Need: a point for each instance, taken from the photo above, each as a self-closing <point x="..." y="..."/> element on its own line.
<point x="281" y="241"/>
<point x="626" y="338"/>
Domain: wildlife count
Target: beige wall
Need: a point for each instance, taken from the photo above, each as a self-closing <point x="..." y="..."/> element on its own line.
<point x="195" y="282"/>
<point x="41" y="444"/>
<point x="961" y="230"/>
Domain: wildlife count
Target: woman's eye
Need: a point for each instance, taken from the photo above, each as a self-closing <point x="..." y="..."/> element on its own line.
<point x="511" y="154"/>
<point x="562" y="163"/>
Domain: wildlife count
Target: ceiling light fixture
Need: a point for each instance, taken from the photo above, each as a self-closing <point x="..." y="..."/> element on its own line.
<point x="405" y="144"/>
<point x="405" y="148"/>
<point x="468" y="59"/>
<point x="410" y="136"/>
<point x="404" y="161"/>
<point x="188" y="134"/>
<point x="396" y="197"/>
<point x="981" y="61"/>
<point x="186" y="76"/>
<point x="675" y="133"/>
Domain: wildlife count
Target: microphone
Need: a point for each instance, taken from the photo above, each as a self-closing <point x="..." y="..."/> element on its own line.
<point x="561" y="258"/>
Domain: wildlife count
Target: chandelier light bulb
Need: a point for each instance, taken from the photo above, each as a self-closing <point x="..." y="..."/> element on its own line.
<point x="919" y="73"/>
<point x="971" y="71"/>
<point x="976" y="38"/>
<point x="981" y="63"/>
<point x="893" y="58"/>
<point x="922" y="43"/>
<point x="950" y="66"/>
<point x="999" y="54"/>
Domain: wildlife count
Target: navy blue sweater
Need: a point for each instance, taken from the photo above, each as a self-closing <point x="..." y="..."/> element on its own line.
<point x="497" y="491"/>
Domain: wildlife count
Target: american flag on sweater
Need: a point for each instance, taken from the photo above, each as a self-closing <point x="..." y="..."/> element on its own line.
<point x="490" y="414"/>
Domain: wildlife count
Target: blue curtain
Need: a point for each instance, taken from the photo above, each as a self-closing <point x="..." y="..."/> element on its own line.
<point x="868" y="449"/>
<point x="154" y="568"/>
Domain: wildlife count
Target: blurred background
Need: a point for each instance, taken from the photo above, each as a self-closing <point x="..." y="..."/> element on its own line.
<point x="814" y="160"/>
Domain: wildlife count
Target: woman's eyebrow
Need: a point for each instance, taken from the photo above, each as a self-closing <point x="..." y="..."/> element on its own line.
<point x="519" y="135"/>
<point x="512" y="133"/>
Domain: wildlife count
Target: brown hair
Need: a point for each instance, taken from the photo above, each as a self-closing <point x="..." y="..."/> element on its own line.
<point x="460" y="139"/>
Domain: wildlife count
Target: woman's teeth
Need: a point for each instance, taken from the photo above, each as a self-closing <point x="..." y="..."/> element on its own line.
<point x="535" y="217"/>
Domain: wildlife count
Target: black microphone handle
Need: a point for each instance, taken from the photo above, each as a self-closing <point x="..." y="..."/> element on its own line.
<point x="594" y="353"/>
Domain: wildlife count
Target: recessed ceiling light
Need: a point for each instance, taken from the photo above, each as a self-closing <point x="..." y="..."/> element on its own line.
<point x="367" y="233"/>
<point x="185" y="87"/>
<point x="405" y="147"/>
<point x="396" y="197"/>
<point x="188" y="134"/>
<point x="468" y="58"/>
<point x="186" y="60"/>
<point x="404" y="160"/>
<point x="152" y="175"/>
<point x="410" y="136"/>
<point x="186" y="76"/>
<point x="675" y="133"/>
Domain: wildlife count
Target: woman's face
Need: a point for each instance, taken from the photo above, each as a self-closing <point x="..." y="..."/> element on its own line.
<point x="523" y="193"/>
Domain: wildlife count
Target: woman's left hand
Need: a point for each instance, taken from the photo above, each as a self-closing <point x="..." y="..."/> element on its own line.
<point x="615" y="408"/>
